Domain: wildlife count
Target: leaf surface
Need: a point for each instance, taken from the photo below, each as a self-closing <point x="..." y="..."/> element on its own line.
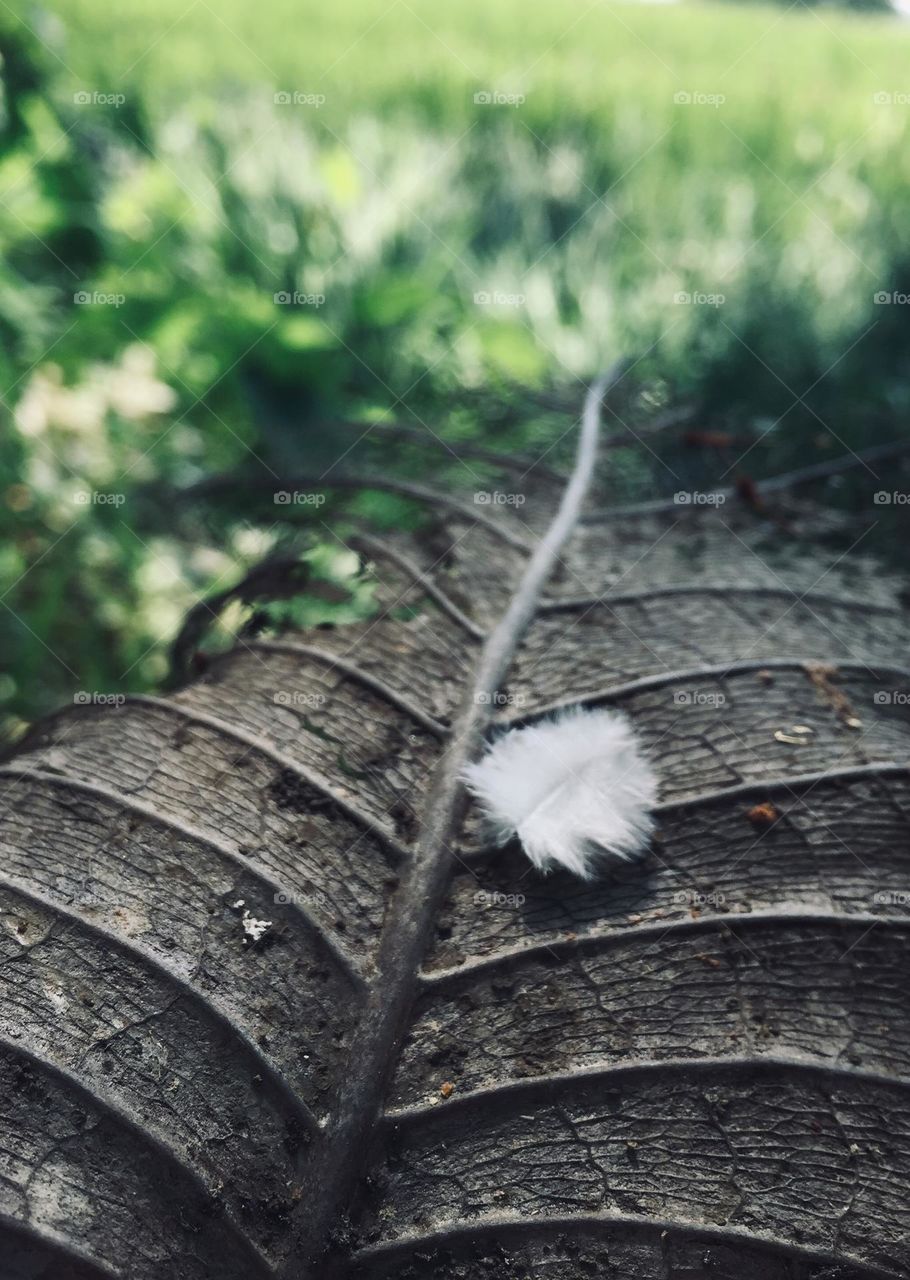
<point x="425" y="1059"/>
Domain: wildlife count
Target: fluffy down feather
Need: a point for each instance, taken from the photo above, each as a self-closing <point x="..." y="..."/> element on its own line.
<point x="573" y="788"/>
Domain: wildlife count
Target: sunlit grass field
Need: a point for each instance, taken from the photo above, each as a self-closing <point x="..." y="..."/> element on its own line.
<point x="467" y="196"/>
<point x="780" y="183"/>
<point x="375" y="52"/>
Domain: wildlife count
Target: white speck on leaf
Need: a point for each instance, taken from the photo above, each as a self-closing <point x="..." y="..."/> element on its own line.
<point x="254" y="929"/>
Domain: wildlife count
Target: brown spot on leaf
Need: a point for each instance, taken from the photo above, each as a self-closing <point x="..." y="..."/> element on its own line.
<point x="764" y="814"/>
<point x="823" y="677"/>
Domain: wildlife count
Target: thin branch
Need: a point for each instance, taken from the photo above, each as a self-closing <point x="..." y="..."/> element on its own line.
<point x="774" y="484"/>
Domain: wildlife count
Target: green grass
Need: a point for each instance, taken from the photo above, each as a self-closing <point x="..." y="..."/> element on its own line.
<point x="792" y="188"/>
<point x="574" y="55"/>
<point x="596" y="200"/>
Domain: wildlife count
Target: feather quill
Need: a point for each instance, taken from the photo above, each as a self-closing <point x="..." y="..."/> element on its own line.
<point x="576" y="789"/>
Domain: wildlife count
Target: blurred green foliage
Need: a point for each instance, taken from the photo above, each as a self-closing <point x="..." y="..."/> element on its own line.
<point x="224" y="228"/>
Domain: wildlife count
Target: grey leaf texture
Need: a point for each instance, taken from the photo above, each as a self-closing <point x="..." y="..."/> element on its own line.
<point x="271" y="1006"/>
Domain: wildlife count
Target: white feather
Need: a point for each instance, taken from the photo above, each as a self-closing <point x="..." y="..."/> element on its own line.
<point x="573" y="789"/>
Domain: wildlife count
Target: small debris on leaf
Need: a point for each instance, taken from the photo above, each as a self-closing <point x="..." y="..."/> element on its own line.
<point x="798" y="735"/>
<point x="823" y="677"/>
<point x="764" y="815"/>
<point x="254" y="930"/>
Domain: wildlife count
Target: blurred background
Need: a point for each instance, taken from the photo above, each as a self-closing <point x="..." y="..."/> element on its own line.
<point x="246" y="243"/>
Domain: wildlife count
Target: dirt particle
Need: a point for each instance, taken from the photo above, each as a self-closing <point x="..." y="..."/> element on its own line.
<point x="764" y="814"/>
<point x="798" y="735"/>
<point x="254" y="930"/>
<point x="823" y="677"/>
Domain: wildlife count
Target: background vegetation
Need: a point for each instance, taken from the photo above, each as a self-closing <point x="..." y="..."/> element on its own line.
<point x="233" y="232"/>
